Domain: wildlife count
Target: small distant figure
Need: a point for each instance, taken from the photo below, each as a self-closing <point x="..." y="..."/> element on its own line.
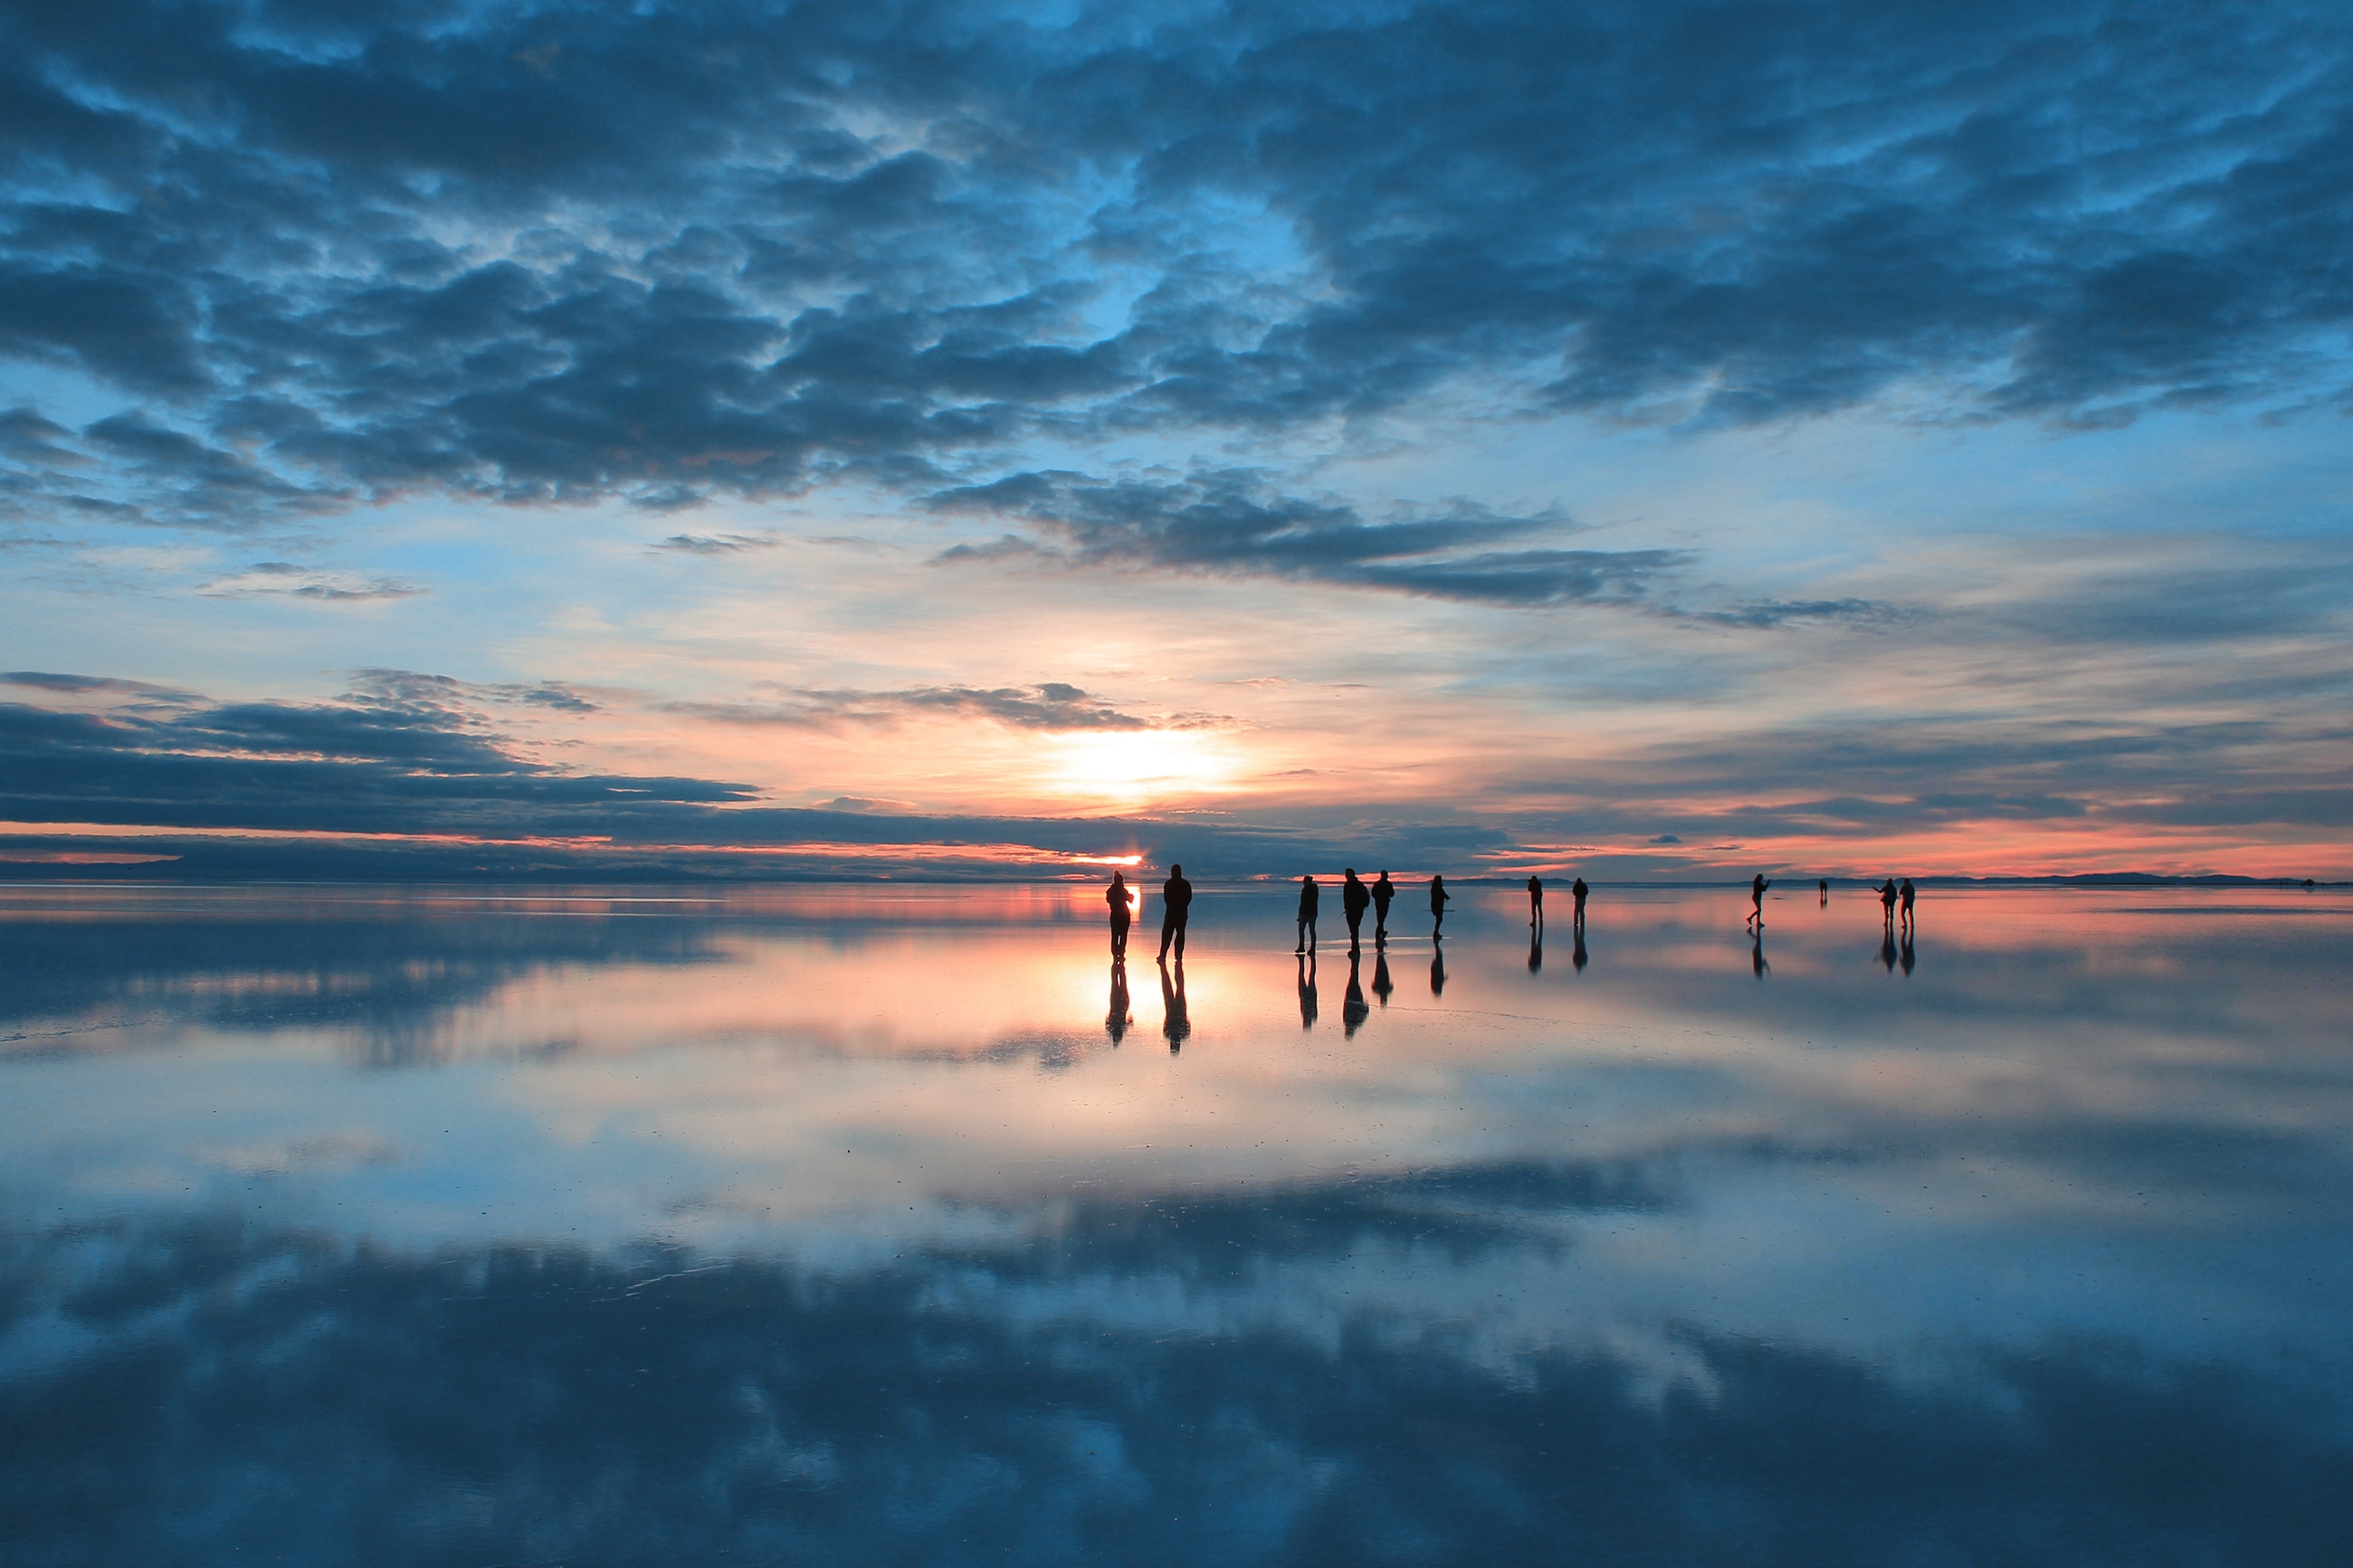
<point x="1576" y="892"/>
<point x="1438" y="897"/>
<point x="1353" y="897"/>
<point x="1381" y="986"/>
<point x="1436" y="969"/>
<point x="1383" y="891"/>
<point x="1906" y="894"/>
<point x="1116" y="1021"/>
<point x="2307" y="884"/>
<point x="1174" y="1022"/>
<point x="1122" y="912"/>
<point x="1535" y="904"/>
<point x="1307" y="991"/>
<point x="1353" y="1011"/>
<point x="1310" y="895"/>
<point x="1756" y="964"/>
<point x="1757" y="886"/>
<point x="1176" y="911"/>
<point x="1825" y="886"/>
<point x="1887" y="896"/>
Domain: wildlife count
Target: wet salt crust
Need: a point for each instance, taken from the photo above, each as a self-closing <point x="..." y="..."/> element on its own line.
<point x="426" y="1226"/>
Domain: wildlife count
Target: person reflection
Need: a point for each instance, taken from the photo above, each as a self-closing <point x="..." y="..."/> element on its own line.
<point x="1437" y="968"/>
<point x="1122" y="912"/>
<point x="1383" y="891"/>
<point x="1756" y="964"/>
<point x="1438" y="897"/>
<point x="1907" y="958"/>
<point x="1536" y="950"/>
<point x="1310" y="895"/>
<point x="1306" y="990"/>
<point x="1887" y="949"/>
<point x="1353" y="1011"/>
<point x="1174" y="1021"/>
<point x="1576" y="946"/>
<point x="1381" y="986"/>
<point x="1116" y="1021"/>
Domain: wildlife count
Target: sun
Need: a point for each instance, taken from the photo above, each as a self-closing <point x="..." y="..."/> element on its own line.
<point x="1128" y="766"/>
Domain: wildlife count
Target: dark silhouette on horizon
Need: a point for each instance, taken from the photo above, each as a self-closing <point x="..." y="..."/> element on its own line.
<point x="1757" y="886"/>
<point x="1353" y="1011"/>
<point x="1122" y="912"/>
<point x="1383" y="891"/>
<point x="1310" y="896"/>
<point x="1381" y="986"/>
<point x="1437" y="901"/>
<point x="1174" y="1022"/>
<point x="1906" y="895"/>
<point x="1535" y="904"/>
<point x="1825" y="886"/>
<point x="1176" y="910"/>
<point x="1354" y="897"/>
<point x="1307" y="1005"/>
<point x="1436" y="967"/>
<point x="1119" y="1017"/>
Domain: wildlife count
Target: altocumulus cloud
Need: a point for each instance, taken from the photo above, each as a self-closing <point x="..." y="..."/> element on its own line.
<point x="285" y="258"/>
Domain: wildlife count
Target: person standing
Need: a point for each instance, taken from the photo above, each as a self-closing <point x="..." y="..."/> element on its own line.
<point x="1176" y="909"/>
<point x="1353" y="897"/>
<point x="1535" y="905"/>
<point x="1122" y="912"/>
<point x="1438" y="897"/>
<point x="1887" y="896"/>
<point x="1310" y="895"/>
<point x="1757" y="886"/>
<point x="1905" y="893"/>
<point x="1576" y="892"/>
<point x="1383" y="891"/>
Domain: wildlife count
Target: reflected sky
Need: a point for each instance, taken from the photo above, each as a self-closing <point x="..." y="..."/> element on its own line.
<point x="423" y="1226"/>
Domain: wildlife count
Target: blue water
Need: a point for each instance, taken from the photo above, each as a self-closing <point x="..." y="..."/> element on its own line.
<point x="431" y="1226"/>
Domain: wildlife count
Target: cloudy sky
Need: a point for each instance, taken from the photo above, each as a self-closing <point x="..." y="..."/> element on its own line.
<point x="1654" y="439"/>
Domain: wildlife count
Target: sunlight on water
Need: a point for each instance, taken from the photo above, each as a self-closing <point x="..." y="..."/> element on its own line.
<point x="422" y="1224"/>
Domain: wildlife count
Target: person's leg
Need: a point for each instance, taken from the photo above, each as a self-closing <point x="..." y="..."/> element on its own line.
<point x="1301" y="946"/>
<point x="1181" y="924"/>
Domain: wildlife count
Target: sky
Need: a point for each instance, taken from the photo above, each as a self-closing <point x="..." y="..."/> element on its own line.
<point x="1658" y="441"/>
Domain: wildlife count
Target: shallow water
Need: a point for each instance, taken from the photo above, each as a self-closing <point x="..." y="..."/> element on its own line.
<point x="432" y="1225"/>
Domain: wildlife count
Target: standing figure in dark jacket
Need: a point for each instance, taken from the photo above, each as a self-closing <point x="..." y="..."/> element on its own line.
<point x="1383" y="891"/>
<point x="1310" y="895"/>
<point x="1438" y="897"/>
<point x="1905" y="893"/>
<point x="1576" y="892"/>
<point x="1353" y="897"/>
<point x="1887" y="896"/>
<point x="1536" y="903"/>
<point x="1175" y="909"/>
<point x="1122" y="912"/>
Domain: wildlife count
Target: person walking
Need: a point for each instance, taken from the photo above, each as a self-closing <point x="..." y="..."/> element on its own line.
<point x="1122" y="912"/>
<point x="1383" y="891"/>
<point x="1437" y="899"/>
<point x="1535" y="903"/>
<point x="1757" y="886"/>
<point x="1353" y="897"/>
<point x="1175" y="911"/>
<point x="1310" y="895"/>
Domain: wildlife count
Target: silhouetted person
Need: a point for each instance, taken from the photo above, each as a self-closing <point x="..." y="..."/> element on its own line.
<point x="1887" y="947"/>
<point x="1310" y="895"/>
<point x="1887" y="895"/>
<point x="1383" y="891"/>
<point x="1174" y="1021"/>
<point x="1576" y="892"/>
<point x="1436" y="969"/>
<point x="1438" y="897"/>
<point x="1577" y="945"/>
<point x="1353" y="1011"/>
<point x="1825" y="886"/>
<point x="1176" y="909"/>
<point x="1756" y="964"/>
<point x="1354" y="899"/>
<point x="1536" y="903"/>
<point x="1757" y="886"/>
<point x="1381" y="986"/>
<point x="1116" y="1021"/>
<point x="1122" y="912"/>
<point x="2307" y="884"/>
<point x="1306" y="991"/>
<point x="1907" y="955"/>
<point x="1906" y="895"/>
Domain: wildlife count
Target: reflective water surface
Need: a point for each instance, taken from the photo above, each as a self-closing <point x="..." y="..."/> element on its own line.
<point x="432" y="1225"/>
